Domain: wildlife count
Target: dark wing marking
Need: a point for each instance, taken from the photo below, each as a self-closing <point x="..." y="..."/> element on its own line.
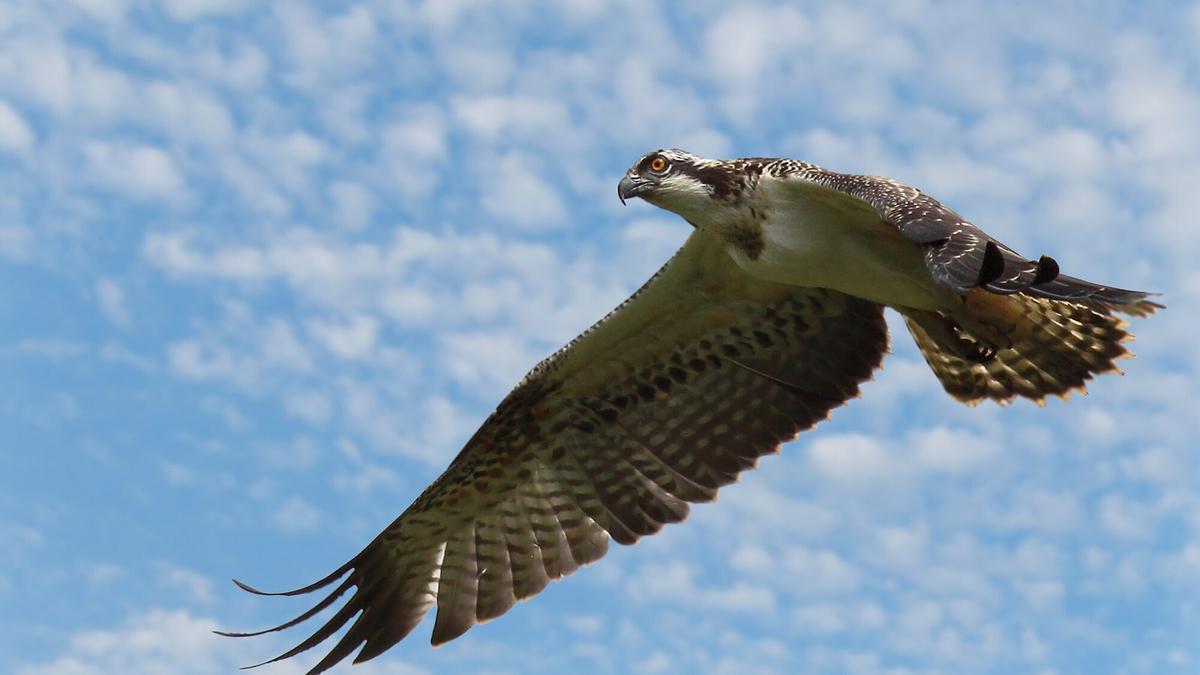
<point x="960" y="256"/>
<point x="667" y="399"/>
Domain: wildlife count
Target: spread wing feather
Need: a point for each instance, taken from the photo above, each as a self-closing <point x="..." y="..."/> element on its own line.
<point x="685" y="385"/>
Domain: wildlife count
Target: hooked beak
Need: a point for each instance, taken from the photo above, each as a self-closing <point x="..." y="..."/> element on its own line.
<point x="630" y="187"/>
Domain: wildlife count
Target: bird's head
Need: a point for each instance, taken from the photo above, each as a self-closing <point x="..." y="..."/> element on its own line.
<point x="678" y="181"/>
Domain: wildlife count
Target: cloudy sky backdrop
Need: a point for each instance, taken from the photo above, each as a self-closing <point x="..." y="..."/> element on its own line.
<point x="263" y="269"/>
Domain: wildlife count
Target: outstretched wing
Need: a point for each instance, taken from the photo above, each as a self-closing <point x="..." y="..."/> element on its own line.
<point x="959" y="255"/>
<point x="667" y="399"/>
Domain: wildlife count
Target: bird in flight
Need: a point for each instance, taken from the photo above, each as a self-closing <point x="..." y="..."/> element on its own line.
<point x="769" y="317"/>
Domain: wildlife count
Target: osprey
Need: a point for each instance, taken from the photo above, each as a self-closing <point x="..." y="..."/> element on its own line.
<point x="768" y="317"/>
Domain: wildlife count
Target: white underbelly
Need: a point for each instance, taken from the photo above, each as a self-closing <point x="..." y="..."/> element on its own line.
<point x="864" y="257"/>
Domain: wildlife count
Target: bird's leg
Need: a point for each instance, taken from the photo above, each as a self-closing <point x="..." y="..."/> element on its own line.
<point x="950" y="336"/>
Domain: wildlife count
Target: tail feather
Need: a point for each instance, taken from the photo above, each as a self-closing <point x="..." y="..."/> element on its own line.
<point x="1133" y="303"/>
<point x="1035" y="344"/>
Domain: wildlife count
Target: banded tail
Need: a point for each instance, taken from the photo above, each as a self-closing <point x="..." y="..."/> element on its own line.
<point x="1045" y="339"/>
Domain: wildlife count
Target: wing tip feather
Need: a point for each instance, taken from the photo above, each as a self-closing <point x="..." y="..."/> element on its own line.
<point x="449" y="629"/>
<point x="250" y="589"/>
<point x="316" y="585"/>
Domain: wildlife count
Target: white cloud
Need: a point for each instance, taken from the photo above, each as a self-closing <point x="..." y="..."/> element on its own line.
<point x="675" y="583"/>
<point x="748" y="45"/>
<point x="1037" y="558"/>
<point x="585" y="624"/>
<point x="1151" y="99"/>
<point x="1157" y="465"/>
<point x="658" y="662"/>
<point x="957" y="176"/>
<point x="770" y="512"/>
<point x="297" y="454"/>
<point x="352" y="204"/>
<point x="371" y="412"/>
<point x="228" y="412"/>
<point x="296" y="515"/>
<point x="1183" y="566"/>
<point x="818" y="571"/>
<point x="287" y="160"/>
<point x="135" y="169"/>
<point x="752" y="560"/>
<point x="653" y="239"/>
<point x="519" y="194"/>
<point x="1062" y="154"/>
<point x="194" y="360"/>
<point x="155" y="641"/>
<point x="417" y="275"/>
<point x="188" y="10"/>
<point x="954" y="451"/>
<point x="446" y="426"/>
<point x="15" y="133"/>
<point x="365" y="478"/>
<point x="853" y="460"/>
<point x="242" y="352"/>
<point x="243" y="67"/>
<point x="309" y="405"/>
<point x="444" y="15"/>
<point x="42" y="65"/>
<point x="179" y="642"/>
<point x="1042" y="595"/>
<point x="499" y="117"/>
<point x="195" y="586"/>
<point x="100" y="574"/>
<point x="314" y="42"/>
<point x="746" y="42"/>
<point x="830" y="617"/>
<point x="1039" y="509"/>
<point x="108" y="10"/>
<point x="178" y="475"/>
<point x="22" y="535"/>
<point x="173" y="252"/>
<point x="479" y="67"/>
<point x="418" y="137"/>
<point x="493" y="359"/>
<point x="902" y="547"/>
<point x="410" y="306"/>
<point x="54" y="349"/>
<point x="706" y="142"/>
<point x="112" y="302"/>
<point x="16" y="242"/>
<point x="1126" y="518"/>
<point x="354" y="338"/>
<point x="1098" y="426"/>
<point x="413" y="151"/>
<point x="208" y="120"/>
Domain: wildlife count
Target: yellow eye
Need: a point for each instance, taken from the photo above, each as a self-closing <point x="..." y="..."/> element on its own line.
<point x="658" y="165"/>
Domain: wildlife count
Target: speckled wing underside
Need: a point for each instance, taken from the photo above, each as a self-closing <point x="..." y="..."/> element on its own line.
<point x="669" y="398"/>
<point x="959" y="255"/>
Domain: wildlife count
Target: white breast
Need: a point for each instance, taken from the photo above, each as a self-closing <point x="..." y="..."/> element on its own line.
<point x="821" y="238"/>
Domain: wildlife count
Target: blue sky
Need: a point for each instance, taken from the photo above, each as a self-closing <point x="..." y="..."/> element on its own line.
<point x="264" y="269"/>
